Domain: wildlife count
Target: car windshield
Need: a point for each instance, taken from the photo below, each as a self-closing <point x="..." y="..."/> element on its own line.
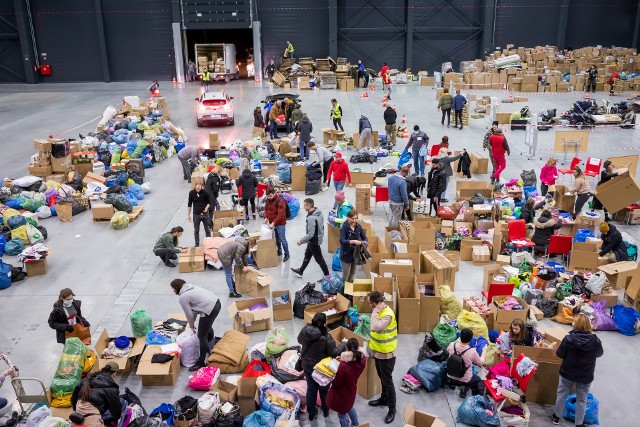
<point x="214" y="102"/>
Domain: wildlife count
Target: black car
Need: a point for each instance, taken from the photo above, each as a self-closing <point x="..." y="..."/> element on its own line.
<point x="279" y="97"/>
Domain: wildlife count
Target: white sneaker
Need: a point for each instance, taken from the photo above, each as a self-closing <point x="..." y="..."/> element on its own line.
<point x="325" y="188"/>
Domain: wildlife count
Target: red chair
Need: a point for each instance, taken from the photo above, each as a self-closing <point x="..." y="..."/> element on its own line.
<point x="512" y="398"/>
<point x="262" y="188"/>
<point x="575" y="162"/>
<point x="592" y="167"/>
<point x="518" y="231"/>
<point x="382" y="195"/>
<point x="496" y="290"/>
<point x="559" y="245"/>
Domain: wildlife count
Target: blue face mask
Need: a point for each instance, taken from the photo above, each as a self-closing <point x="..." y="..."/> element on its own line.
<point x="67" y="303"/>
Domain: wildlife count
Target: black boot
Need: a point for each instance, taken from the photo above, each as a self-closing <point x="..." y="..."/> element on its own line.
<point x="391" y="415"/>
<point x="378" y="402"/>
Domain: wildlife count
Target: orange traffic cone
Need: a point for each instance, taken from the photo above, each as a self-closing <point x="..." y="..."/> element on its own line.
<point x="365" y="95"/>
<point x="174" y="80"/>
<point x="372" y="87"/>
<point x="384" y="104"/>
<point x="404" y="119"/>
<point x="394" y="107"/>
<point x="586" y="96"/>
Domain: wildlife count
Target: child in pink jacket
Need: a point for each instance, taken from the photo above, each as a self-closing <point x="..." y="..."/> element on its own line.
<point x="548" y="176"/>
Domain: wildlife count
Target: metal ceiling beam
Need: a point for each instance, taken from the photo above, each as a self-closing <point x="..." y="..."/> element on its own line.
<point x="563" y="19"/>
<point x="636" y="30"/>
<point x="417" y="30"/>
<point x="459" y="14"/>
<point x="9" y="36"/>
<point x="333" y="28"/>
<point x="408" y="44"/>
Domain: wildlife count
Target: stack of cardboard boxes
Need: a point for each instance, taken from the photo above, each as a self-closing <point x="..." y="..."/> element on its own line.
<point x="53" y="157"/>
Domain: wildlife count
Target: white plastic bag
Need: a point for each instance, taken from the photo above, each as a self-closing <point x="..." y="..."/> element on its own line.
<point x="146" y="187"/>
<point x="109" y="113"/>
<point x="207" y="405"/>
<point x="43" y="212"/>
<point x="596" y="283"/>
<point x="287" y="419"/>
<point x="95" y="188"/>
<point x="26" y="181"/>
<point x="34" y="235"/>
<point x="38" y="416"/>
<point x="266" y="233"/>
<point x="54" y="422"/>
<point x="190" y="346"/>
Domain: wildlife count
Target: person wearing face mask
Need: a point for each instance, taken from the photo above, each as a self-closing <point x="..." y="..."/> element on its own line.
<point x="66" y="313"/>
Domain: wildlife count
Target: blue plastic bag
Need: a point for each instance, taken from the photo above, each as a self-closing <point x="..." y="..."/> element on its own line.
<point x="3" y="241"/>
<point x="582" y="234"/>
<point x="332" y="284"/>
<point x="473" y="412"/>
<point x="14" y="202"/>
<point x="530" y="191"/>
<point x="590" y="416"/>
<point x="626" y="318"/>
<point x="166" y="411"/>
<point x="16" y="221"/>
<point x="136" y="190"/>
<point x="335" y="263"/>
<point x="131" y="198"/>
<point x="13" y="247"/>
<point x="179" y="146"/>
<point x="275" y="409"/>
<point x="431" y="374"/>
<point x="259" y="418"/>
<point x="5" y="275"/>
<point x="405" y="158"/>
<point x="294" y="208"/>
<point x="147" y="164"/>
<point x="154" y="338"/>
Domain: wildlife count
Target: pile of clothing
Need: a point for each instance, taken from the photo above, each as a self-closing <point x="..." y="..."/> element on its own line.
<point x="325" y="371"/>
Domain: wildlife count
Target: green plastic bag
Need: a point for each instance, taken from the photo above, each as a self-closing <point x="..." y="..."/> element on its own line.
<point x="119" y="220"/>
<point x="564" y="290"/>
<point x="364" y="326"/>
<point x="141" y="323"/>
<point x="69" y="372"/>
<point x="116" y="156"/>
<point x="277" y="341"/>
<point x="444" y="334"/>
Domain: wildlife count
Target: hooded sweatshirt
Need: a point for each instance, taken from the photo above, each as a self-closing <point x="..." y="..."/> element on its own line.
<point x="340" y="171"/>
<point x="195" y="300"/>
<point x="579" y="351"/>
<point x="315" y="228"/>
<point x="305" y="127"/>
<point x="249" y="183"/>
<point x="363" y="123"/>
<point x="315" y="347"/>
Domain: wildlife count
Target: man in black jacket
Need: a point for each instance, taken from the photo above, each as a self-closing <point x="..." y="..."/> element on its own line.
<point x="212" y="187"/>
<point x="199" y="200"/>
<point x="436" y="184"/>
<point x="270" y="70"/>
<point x="304" y="129"/>
<point x="390" y="117"/>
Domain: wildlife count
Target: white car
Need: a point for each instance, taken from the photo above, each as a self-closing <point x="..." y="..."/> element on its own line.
<point x="215" y="107"/>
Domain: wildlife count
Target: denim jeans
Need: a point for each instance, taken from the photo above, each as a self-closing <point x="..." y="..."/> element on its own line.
<point x="281" y="239"/>
<point x="228" y="275"/>
<point x="273" y="129"/>
<point x="338" y="185"/>
<point x="418" y="162"/>
<point x="564" y="390"/>
<point x="351" y="415"/>
<point x="304" y="152"/>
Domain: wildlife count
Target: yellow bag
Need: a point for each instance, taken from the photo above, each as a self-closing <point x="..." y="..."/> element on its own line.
<point x="491" y="357"/>
<point x="475" y="322"/>
<point x="449" y="304"/>
<point x="61" y="402"/>
<point x="21" y="233"/>
<point x="89" y="361"/>
<point x="9" y="213"/>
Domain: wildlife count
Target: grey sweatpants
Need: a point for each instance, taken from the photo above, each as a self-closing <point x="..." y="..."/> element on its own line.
<point x="365" y="138"/>
<point x="564" y="390"/>
<point x="396" y="213"/>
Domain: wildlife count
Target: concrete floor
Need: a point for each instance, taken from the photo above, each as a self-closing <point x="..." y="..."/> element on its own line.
<point x="114" y="272"/>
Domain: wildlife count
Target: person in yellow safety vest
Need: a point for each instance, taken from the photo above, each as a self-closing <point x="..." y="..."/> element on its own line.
<point x="383" y="344"/>
<point x="336" y="114"/>
<point x="289" y="49"/>
<point x="206" y="78"/>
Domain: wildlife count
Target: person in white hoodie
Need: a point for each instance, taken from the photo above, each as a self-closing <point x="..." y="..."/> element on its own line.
<point x="197" y="301"/>
<point x="325" y="157"/>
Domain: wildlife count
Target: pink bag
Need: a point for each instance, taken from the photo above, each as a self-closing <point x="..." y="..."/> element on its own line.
<point x="203" y="378"/>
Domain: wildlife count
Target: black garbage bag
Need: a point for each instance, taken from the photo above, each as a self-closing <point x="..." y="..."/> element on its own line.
<point x="431" y="350"/>
<point x="304" y="297"/>
<point x="476" y="199"/>
<point x="104" y="156"/>
<point x="529" y="178"/>
<point x="115" y="189"/>
<point x="119" y="202"/>
<point x="231" y="419"/>
<point x="548" y="306"/>
<point x="147" y="421"/>
<point x="185" y="408"/>
<point x="76" y="206"/>
<point x="313" y="187"/>
<point x="578" y="286"/>
<point x="43" y="231"/>
<point x="280" y="374"/>
<point x="135" y="176"/>
<point x="132" y="398"/>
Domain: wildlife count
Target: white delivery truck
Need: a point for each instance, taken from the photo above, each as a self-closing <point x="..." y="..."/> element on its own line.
<point x="219" y="59"/>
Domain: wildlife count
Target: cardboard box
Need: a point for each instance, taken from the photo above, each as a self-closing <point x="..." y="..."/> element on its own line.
<point x="503" y="118"/>
<point x="40" y="171"/>
<point x="298" y="178"/>
<point x="454" y="257"/>
<point x="247" y="390"/>
<point x="266" y="254"/>
<point x="362" y="178"/>
<point x="503" y="260"/>
<point x="269" y="167"/>
<point x="214" y="141"/>
<point x="611" y="298"/>
<point x="481" y="255"/>
<point x="386" y="286"/>
<point x="363" y="199"/>
<point x="340" y="303"/>
<point x="446" y="227"/>
<point x="246" y="321"/>
<point x="387" y="237"/>
<point x="584" y="257"/>
<point x="378" y="252"/>
<point x="157" y="374"/>
<point x="61" y="164"/>
<point x="359" y="290"/>
<point x="412" y="254"/>
<point x="64" y="211"/>
<point x="36" y="268"/>
<point x="429" y="302"/>
<point x="619" y="274"/>
<point x="491" y="272"/>
<point x="408" y="315"/>
<point x="94" y="177"/>
<point x="253" y="283"/>
<point x="124" y="363"/>
<point x="396" y="267"/>
<point x="102" y="211"/>
<point x="479" y="164"/>
<point x="502" y="318"/>
<point x="333" y="238"/>
<point x="420" y="419"/>
<point x="427" y="81"/>
<point x="564" y="202"/>
<point x="368" y="383"/>
<point x="619" y="192"/>
<point x="466" y="247"/>
<point x="282" y="311"/>
<point x="467" y="189"/>
<point x="346" y="85"/>
<point x="421" y="233"/>
<point x="227" y="391"/>
<point x="443" y="270"/>
<point x="192" y="261"/>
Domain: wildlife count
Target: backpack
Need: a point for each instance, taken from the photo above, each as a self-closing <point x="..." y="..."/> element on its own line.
<point x="632" y="251"/>
<point x="288" y="210"/>
<point x="455" y="364"/>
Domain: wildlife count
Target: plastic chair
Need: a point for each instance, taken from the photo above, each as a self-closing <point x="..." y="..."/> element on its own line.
<point x="592" y="168"/>
<point x="433" y="151"/>
<point x="518" y="231"/>
<point x="575" y="162"/>
<point x="382" y="195"/>
<point x="559" y="245"/>
<point x="513" y="398"/>
<point x="496" y="290"/>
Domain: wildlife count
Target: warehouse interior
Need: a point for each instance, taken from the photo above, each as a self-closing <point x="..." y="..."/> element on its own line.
<point x="99" y="52"/>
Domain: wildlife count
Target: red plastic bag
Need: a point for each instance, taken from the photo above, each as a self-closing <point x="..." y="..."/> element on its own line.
<point x="203" y="378"/>
<point x="446" y="212"/>
<point x="256" y="368"/>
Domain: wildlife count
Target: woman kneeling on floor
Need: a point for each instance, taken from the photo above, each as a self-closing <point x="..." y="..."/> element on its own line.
<point x="167" y="246"/>
<point x="96" y="400"/>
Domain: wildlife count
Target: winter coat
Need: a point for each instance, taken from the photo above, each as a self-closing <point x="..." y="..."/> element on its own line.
<point x="275" y="210"/>
<point x="296" y="116"/>
<point x="529" y="214"/>
<point x="363" y="123"/>
<point x="258" y="120"/>
<point x="464" y="165"/>
<point x="249" y="183"/>
<point x="417" y="140"/>
<point x="445" y="163"/>
<point x="315" y="228"/>
<point x="390" y="116"/>
<point x="499" y="145"/>
<point x="212" y="186"/>
<point x="436" y="182"/>
<point x="579" y="351"/>
<point x="397" y="187"/>
<point x="446" y="101"/>
<point x="347" y="234"/>
<point x="315" y="347"/>
<point x="274" y="112"/>
<point x="105" y="395"/>
<point x="196" y="301"/>
<point x="59" y="321"/>
<point x="458" y="102"/>
<point x="305" y="127"/>
<point x="612" y="242"/>
<point x="413" y="190"/>
<point x="342" y="394"/>
<point x="544" y="228"/>
<point x="236" y="250"/>
<point x="340" y="171"/>
<point x="548" y="175"/>
<point x="166" y="242"/>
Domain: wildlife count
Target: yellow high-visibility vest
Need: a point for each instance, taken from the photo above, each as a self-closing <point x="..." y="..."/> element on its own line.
<point x="290" y="48"/>
<point x="206" y="76"/>
<point x="335" y="113"/>
<point x="385" y="341"/>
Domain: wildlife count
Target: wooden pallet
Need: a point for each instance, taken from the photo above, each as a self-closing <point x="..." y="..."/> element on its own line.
<point x="137" y="211"/>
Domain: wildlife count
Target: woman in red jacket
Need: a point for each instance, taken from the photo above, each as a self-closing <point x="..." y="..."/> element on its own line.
<point x="340" y="170"/>
<point x="342" y="394"/>
<point x="499" y="147"/>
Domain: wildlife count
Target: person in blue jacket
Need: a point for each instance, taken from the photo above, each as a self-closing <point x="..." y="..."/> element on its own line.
<point x="398" y="197"/>
<point x="458" y="105"/>
<point x="352" y="237"/>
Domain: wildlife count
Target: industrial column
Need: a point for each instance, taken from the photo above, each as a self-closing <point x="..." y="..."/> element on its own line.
<point x="408" y="45"/>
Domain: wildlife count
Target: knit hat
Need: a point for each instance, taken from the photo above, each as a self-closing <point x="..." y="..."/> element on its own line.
<point x="338" y="155"/>
<point x="122" y="342"/>
<point x="340" y="196"/>
<point x="604" y="228"/>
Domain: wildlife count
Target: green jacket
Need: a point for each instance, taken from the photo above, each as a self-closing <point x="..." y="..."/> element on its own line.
<point x="166" y="242"/>
<point x="446" y="101"/>
<point x="296" y="115"/>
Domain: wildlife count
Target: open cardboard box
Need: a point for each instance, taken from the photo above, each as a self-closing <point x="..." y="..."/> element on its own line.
<point x="413" y="254"/>
<point x="429" y="302"/>
<point x="396" y="267"/>
<point x="466" y="189"/>
<point x="157" y="374"/>
<point x="340" y="303"/>
<point x="266" y="255"/>
<point x="620" y="273"/>
<point x="386" y="286"/>
<point x="247" y="392"/>
<point x="359" y="290"/>
<point x="333" y="238"/>
<point x="408" y="315"/>
<point x="420" y="419"/>
<point x="502" y="318"/>
<point x="420" y="233"/>
<point x="253" y="283"/>
<point x="584" y="257"/>
<point x="387" y="237"/>
<point x="227" y="391"/>
<point x="282" y="311"/>
<point x="378" y="252"/>
<point x="124" y="363"/>
<point x="443" y="270"/>
<point x="619" y="192"/>
<point x="466" y="247"/>
<point x="246" y="321"/>
<point x="368" y="383"/>
<point x="490" y="272"/>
